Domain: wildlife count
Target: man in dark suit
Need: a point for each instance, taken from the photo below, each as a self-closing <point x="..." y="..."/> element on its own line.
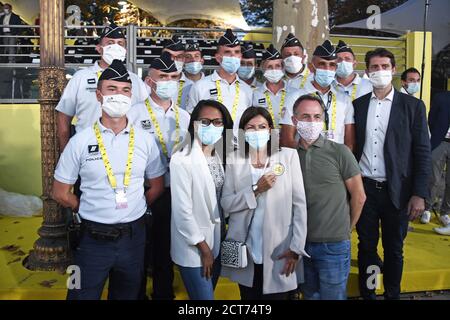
<point x="393" y="151"/>
<point x="439" y="121"/>
<point x="8" y="19"/>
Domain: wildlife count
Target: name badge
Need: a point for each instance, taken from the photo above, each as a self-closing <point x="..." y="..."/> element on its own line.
<point x="91" y="81"/>
<point x="262" y="100"/>
<point x="213" y="92"/>
<point x="121" y="199"/>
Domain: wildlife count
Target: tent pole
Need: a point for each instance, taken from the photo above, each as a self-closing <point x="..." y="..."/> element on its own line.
<point x="425" y="19"/>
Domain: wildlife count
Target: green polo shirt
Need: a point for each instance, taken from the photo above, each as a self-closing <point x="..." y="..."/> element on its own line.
<point x="325" y="166"/>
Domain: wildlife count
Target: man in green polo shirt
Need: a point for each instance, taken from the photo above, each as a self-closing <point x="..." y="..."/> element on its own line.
<point x="330" y="173"/>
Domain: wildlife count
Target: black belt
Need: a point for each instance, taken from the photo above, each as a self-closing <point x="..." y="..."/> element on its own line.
<point x="376" y="184"/>
<point x="112" y="232"/>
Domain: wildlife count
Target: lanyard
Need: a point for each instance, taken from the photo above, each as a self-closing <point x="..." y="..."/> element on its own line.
<point x="305" y="77"/>
<point x="269" y="103"/>
<point x="180" y="92"/>
<point x="109" y="171"/>
<point x="236" y="98"/>
<point x="159" y="133"/>
<point x="355" y="87"/>
<point x="99" y="73"/>
<point x="331" y="102"/>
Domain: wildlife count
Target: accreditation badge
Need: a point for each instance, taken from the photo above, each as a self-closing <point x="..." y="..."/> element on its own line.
<point x="278" y="169"/>
<point x="121" y="199"/>
<point x="330" y="134"/>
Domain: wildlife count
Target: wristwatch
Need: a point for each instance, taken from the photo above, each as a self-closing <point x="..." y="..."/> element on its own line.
<point x="255" y="187"/>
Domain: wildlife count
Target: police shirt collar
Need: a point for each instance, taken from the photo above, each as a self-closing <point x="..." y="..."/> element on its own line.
<point x="105" y="129"/>
<point x="215" y="76"/>
<point x="155" y="105"/>
<point x="265" y="89"/>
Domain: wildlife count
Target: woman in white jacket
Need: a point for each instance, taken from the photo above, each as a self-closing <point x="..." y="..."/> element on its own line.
<point x="265" y="200"/>
<point x="196" y="179"/>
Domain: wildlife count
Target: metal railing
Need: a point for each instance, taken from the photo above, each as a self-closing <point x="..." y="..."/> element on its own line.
<point x="19" y="62"/>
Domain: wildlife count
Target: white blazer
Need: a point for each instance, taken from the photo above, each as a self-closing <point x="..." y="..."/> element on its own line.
<point x="195" y="209"/>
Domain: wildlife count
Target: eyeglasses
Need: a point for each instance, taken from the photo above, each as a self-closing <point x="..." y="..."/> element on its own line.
<point x="216" y="122"/>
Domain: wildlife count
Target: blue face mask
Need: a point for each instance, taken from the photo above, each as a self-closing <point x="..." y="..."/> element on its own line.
<point x="193" y="67"/>
<point x="210" y="134"/>
<point x="166" y="89"/>
<point x="344" y="69"/>
<point x="324" y="77"/>
<point x="257" y="139"/>
<point x="230" y="64"/>
<point x="413" y="87"/>
<point x="246" y="72"/>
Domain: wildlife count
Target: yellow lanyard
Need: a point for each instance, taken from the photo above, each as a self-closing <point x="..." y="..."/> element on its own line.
<point x="107" y="164"/>
<point x="236" y="98"/>
<point x="269" y="104"/>
<point x="355" y="87"/>
<point x="159" y="133"/>
<point x="305" y="77"/>
<point x="99" y="73"/>
<point x="180" y="92"/>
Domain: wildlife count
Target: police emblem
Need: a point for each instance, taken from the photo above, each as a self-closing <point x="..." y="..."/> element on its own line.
<point x="278" y="169"/>
<point x="146" y="124"/>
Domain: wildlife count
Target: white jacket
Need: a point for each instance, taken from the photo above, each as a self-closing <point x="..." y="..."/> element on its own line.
<point x="195" y="209"/>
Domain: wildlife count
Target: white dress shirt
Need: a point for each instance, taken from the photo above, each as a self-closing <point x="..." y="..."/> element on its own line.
<point x="298" y="81"/>
<point x="372" y="160"/>
<point x="6" y="22"/>
<point x="79" y="99"/>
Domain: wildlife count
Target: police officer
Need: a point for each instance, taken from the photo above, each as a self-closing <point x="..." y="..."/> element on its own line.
<point x="78" y="99"/>
<point x="193" y="65"/>
<point x="175" y="47"/>
<point x="113" y="158"/>
<point x="247" y="69"/>
<point x="347" y="80"/>
<point x="223" y="84"/>
<point x="339" y="116"/>
<point x="272" y="94"/>
<point x="295" y="59"/>
<point x="162" y="117"/>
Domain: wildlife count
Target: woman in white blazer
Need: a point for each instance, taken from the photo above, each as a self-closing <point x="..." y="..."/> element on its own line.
<point x="265" y="200"/>
<point x="196" y="179"/>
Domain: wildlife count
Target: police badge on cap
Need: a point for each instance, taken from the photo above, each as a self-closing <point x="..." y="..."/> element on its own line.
<point x="228" y="39"/>
<point x="112" y="31"/>
<point x="326" y="51"/>
<point x="192" y="46"/>
<point x="116" y="71"/>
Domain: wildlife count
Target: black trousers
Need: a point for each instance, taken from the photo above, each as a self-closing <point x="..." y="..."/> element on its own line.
<point x="162" y="265"/>
<point x="256" y="292"/>
<point x="394" y="227"/>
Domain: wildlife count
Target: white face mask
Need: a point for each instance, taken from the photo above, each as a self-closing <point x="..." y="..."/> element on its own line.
<point x="179" y="65"/>
<point x="380" y="79"/>
<point x="293" y="64"/>
<point x="309" y="131"/>
<point x="113" y="52"/>
<point x="116" y="105"/>
<point x="273" y="76"/>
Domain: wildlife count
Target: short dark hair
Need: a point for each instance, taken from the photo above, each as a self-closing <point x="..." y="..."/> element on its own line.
<point x="379" y="52"/>
<point x="308" y="97"/>
<point x="409" y="70"/>
<point x="227" y="145"/>
<point x="248" y="115"/>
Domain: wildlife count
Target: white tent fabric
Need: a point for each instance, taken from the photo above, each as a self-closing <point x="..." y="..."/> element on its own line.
<point x="225" y="11"/>
<point x="409" y="17"/>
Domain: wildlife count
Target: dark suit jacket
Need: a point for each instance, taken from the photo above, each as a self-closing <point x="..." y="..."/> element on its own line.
<point x="439" y="118"/>
<point x="407" y="153"/>
<point x="14" y="20"/>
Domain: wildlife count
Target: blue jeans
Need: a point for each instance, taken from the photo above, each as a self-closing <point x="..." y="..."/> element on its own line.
<point x="327" y="271"/>
<point x="122" y="261"/>
<point x="197" y="286"/>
